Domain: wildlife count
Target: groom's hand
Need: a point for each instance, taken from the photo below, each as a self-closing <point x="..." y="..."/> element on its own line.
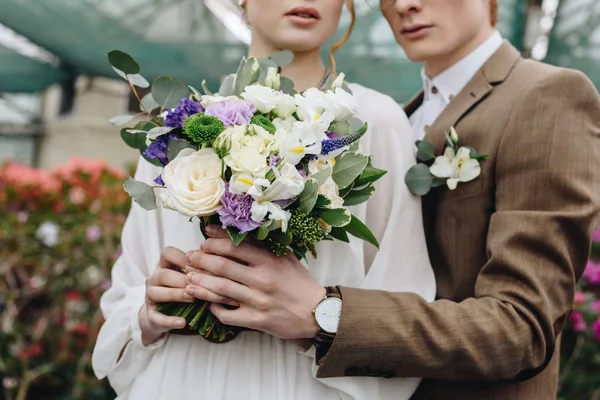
<point x="276" y="294"/>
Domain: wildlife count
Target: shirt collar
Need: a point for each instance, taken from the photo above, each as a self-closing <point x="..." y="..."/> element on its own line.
<point x="450" y="82"/>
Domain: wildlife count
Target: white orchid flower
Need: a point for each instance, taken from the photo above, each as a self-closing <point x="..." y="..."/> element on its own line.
<point x="305" y="139"/>
<point x="459" y="167"/>
<point x="311" y="104"/>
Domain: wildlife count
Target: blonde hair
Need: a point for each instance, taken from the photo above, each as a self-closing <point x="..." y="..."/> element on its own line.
<point x="494" y="12"/>
<point x="344" y="39"/>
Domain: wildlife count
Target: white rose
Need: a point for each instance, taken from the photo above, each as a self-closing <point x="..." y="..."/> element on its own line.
<point x="263" y="98"/>
<point x="287" y="106"/>
<point x="311" y="104"/>
<point x="283" y="127"/>
<point x="194" y="184"/>
<point x="342" y="104"/>
<point x="250" y="148"/>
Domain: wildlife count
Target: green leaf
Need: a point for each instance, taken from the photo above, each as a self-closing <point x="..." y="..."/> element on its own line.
<point x="136" y="139"/>
<point x="121" y="119"/>
<point x="342" y="128"/>
<point x="265" y="64"/>
<point x="282" y="58"/>
<point x="361" y="231"/>
<point x="148" y="103"/>
<point x="205" y="88"/>
<point x="339" y="234"/>
<point x="344" y="192"/>
<point x="227" y="86"/>
<point x="425" y="151"/>
<point x="159" y="131"/>
<point x="263" y="231"/>
<point x="348" y="167"/>
<point x="281" y="237"/>
<point x="322" y="202"/>
<point x="322" y="175"/>
<point x="308" y="197"/>
<point x="337" y="217"/>
<point x="123" y="62"/>
<point x="145" y="126"/>
<point x="419" y="179"/>
<point x="168" y="92"/>
<point x="141" y="193"/>
<point x="138" y="80"/>
<point x="437" y="182"/>
<point x="247" y="75"/>
<point x="175" y="146"/>
<point x="287" y="86"/>
<point x="300" y="252"/>
<point x="369" y="175"/>
<point x="356" y="197"/>
<point x="195" y="93"/>
<point x="236" y="236"/>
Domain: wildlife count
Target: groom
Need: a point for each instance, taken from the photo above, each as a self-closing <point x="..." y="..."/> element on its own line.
<point x="507" y="248"/>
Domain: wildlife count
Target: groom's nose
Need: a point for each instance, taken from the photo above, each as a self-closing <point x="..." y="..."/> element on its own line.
<point x="406" y="7"/>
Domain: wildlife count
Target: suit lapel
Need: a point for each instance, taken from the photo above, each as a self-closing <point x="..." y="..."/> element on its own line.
<point x="493" y="72"/>
<point x="413" y="104"/>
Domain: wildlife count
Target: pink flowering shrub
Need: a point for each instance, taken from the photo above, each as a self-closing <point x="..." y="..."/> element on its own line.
<point x="59" y="236"/>
<point x="581" y="338"/>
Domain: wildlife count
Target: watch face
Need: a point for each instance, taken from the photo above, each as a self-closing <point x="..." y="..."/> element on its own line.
<point x="328" y="313"/>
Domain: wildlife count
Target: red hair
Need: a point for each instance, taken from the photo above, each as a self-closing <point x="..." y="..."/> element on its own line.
<point x="340" y="43"/>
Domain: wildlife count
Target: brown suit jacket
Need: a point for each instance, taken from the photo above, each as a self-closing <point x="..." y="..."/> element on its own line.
<point x="507" y="248"/>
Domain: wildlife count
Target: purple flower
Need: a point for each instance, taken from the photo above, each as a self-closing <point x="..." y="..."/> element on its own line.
<point x="22" y="216"/>
<point x="592" y="273"/>
<point x="332" y="135"/>
<point x="159" y="180"/>
<point x="184" y="110"/>
<point x="596" y="329"/>
<point x="578" y="322"/>
<point x="158" y="148"/>
<point x="232" y="112"/>
<point x="93" y="233"/>
<point x="273" y="160"/>
<point x="237" y="211"/>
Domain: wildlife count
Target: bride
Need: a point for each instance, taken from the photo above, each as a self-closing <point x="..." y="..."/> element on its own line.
<point x="143" y="353"/>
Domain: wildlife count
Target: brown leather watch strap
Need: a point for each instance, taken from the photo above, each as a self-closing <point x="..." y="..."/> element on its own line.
<point x="323" y="340"/>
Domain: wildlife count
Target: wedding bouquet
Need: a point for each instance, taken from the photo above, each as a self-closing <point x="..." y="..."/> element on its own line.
<point x="258" y="159"/>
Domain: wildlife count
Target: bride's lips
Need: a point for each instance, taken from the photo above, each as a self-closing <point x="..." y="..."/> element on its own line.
<point x="303" y="16"/>
<point x="415" y="32"/>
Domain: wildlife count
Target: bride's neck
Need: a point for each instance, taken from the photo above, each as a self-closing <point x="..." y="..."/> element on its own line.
<point x="307" y="69"/>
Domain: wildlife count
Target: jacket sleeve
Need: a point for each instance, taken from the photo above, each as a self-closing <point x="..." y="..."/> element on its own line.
<point x="547" y="207"/>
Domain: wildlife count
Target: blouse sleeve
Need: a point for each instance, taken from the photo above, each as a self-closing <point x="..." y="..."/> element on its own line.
<point x="119" y="353"/>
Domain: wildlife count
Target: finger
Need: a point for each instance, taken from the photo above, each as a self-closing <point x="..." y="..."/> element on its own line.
<point x="216" y="231"/>
<point x="171" y="256"/>
<point x="167" y="278"/>
<point x="222" y="287"/>
<point x="161" y="320"/>
<point x="202" y="293"/>
<point x="158" y="294"/>
<point x="244" y="252"/>
<point x="220" y="266"/>
<point x="238" y="317"/>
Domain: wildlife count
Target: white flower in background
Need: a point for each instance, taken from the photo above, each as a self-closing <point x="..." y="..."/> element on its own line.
<point x="208" y="101"/>
<point x="250" y="148"/>
<point x="286" y="107"/>
<point x="273" y="80"/>
<point x="288" y="184"/>
<point x="459" y="167"/>
<point x="311" y="104"/>
<point x="329" y="189"/>
<point x="263" y="98"/>
<point x="338" y="82"/>
<point x="342" y="104"/>
<point x="48" y="233"/>
<point x="194" y="184"/>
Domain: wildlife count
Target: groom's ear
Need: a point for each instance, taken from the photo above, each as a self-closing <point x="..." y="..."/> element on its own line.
<point x="493" y="12"/>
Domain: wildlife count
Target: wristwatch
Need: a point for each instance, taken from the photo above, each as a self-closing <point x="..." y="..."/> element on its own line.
<point x="327" y="314"/>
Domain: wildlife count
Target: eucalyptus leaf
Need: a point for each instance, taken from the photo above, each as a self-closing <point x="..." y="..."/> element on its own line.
<point x="281" y="237"/>
<point x="121" y="119"/>
<point x="236" y="236"/>
<point x="322" y="175"/>
<point x="145" y="126"/>
<point x="141" y="193"/>
<point x="339" y="234"/>
<point x="282" y="58"/>
<point x="437" y="182"/>
<point x="337" y="217"/>
<point x="175" y="146"/>
<point x="248" y="75"/>
<point x="369" y="175"/>
<point x="148" y="103"/>
<point x="120" y="73"/>
<point x="138" y="80"/>
<point x="308" y="197"/>
<point x="265" y="64"/>
<point x="342" y="128"/>
<point x="205" y="88"/>
<point x="168" y="92"/>
<point x="133" y="138"/>
<point x="425" y="151"/>
<point x="358" y="229"/>
<point x="356" y="197"/>
<point x="159" y="131"/>
<point x="123" y="62"/>
<point x="419" y="179"/>
<point x="263" y="231"/>
<point x="227" y="86"/>
<point x="355" y="124"/>
<point x="348" y="167"/>
<point x="287" y="86"/>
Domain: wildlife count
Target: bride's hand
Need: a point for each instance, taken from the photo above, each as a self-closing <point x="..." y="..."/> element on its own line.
<point x="166" y="284"/>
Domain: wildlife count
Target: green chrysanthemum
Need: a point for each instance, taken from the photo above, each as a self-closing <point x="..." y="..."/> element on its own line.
<point x="306" y="230"/>
<point x="264" y="123"/>
<point x="203" y="128"/>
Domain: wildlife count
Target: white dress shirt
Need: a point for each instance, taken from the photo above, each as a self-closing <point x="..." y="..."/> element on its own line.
<point x="439" y="91"/>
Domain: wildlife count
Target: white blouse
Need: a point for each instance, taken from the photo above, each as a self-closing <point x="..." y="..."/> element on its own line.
<point x="256" y="366"/>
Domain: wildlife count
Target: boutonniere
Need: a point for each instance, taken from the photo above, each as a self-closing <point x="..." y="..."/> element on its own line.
<point x="457" y="164"/>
